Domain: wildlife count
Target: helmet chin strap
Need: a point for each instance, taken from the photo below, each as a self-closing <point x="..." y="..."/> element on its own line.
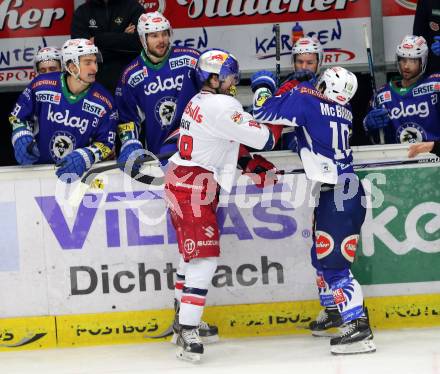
<point x="76" y="76"/>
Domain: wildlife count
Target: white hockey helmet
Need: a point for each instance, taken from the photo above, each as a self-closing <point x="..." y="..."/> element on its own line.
<point x="337" y="84"/>
<point x="308" y="45"/>
<point x="413" y="46"/>
<point x="47" y="54"/>
<point x="152" y="22"/>
<point x="73" y="49"/>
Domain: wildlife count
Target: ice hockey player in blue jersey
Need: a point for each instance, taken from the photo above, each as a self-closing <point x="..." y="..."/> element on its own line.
<point x="154" y="90"/>
<point x="407" y="108"/>
<point x="65" y="118"/>
<point x="322" y="118"/>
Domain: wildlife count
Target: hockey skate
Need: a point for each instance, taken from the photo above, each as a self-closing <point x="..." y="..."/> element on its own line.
<point x="189" y="345"/>
<point x="208" y="333"/>
<point x="356" y="337"/>
<point x="327" y="323"/>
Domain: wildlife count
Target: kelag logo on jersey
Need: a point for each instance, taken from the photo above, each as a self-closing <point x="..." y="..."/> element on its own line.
<point x="93" y="108"/>
<point x="182" y="61"/>
<point x="64" y="118"/>
<point x="136" y="78"/>
<point x="422" y="110"/>
<point x="426" y="88"/>
<point x="170" y="83"/>
<point x="48" y="97"/>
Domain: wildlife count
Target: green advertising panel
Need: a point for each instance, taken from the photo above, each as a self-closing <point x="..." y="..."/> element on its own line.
<point x="401" y="236"/>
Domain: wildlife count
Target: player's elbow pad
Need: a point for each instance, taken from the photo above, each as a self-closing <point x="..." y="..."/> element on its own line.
<point x="274" y="136"/>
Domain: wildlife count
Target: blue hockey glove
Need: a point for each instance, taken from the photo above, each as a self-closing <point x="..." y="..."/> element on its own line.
<point x="130" y="151"/>
<point x="263" y="78"/>
<point x="74" y="165"/>
<point x="303" y="76"/>
<point x="376" y="119"/>
<point x="25" y="148"/>
<point x="435" y="47"/>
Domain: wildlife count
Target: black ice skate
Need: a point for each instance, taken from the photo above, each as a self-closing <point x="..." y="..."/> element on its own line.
<point x="189" y="345"/>
<point x="327" y="323"/>
<point x="208" y="333"/>
<point x="356" y="337"/>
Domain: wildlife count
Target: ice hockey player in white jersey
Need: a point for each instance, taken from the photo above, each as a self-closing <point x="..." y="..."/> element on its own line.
<point x="213" y="129"/>
<point x="322" y="118"/>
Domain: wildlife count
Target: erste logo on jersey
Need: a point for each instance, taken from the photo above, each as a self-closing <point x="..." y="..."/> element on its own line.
<point x="93" y="108"/>
<point x="164" y="110"/>
<point x="136" y="78"/>
<point x="48" y="97"/>
<point x="324" y="244"/>
<point x="170" y="83"/>
<point x="410" y="133"/>
<point x="384" y="97"/>
<point x="421" y="109"/>
<point x="426" y="88"/>
<point x="61" y="144"/>
<point x="182" y="61"/>
<point x="64" y="118"/>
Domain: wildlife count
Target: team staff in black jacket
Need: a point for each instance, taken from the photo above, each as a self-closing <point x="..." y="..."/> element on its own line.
<point x="427" y="24"/>
<point x="111" y="25"/>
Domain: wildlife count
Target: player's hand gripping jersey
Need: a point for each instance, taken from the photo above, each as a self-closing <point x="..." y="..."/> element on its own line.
<point x="62" y="122"/>
<point x="211" y="130"/>
<point x="156" y="95"/>
<point x="323" y="129"/>
<point x="414" y="112"/>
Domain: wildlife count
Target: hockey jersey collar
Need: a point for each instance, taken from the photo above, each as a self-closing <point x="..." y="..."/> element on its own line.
<point x="70" y="97"/>
<point x="153" y="66"/>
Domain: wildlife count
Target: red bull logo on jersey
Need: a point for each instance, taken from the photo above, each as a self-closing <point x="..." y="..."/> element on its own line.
<point x="93" y="108"/>
<point x="48" y="97"/>
<point x="420" y="109"/>
<point x="64" y="118"/>
<point x="171" y="83"/>
<point x="324" y="244"/>
<point x="193" y="112"/>
<point x="426" y="88"/>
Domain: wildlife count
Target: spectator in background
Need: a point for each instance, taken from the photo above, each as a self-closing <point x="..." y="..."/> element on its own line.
<point x="427" y="24"/>
<point x="111" y="26"/>
<point x="407" y="108"/>
<point x="47" y="60"/>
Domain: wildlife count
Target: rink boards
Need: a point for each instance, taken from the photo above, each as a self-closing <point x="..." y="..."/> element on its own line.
<point x="103" y="273"/>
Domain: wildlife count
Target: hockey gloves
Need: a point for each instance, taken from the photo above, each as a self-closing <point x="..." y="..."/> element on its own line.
<point x="74" y="165"/>
<point x="435" y="47"/>
<point x="261" y="171"/>
<point x="376" y="119"/>
<point x="130" y="152"/>
<point x="303" y="76"/>
<point x="25" y="148"/>
<point x="263" y="78"/>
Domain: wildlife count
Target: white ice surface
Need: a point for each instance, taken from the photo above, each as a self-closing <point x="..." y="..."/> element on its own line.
<point x="398" y="352"/>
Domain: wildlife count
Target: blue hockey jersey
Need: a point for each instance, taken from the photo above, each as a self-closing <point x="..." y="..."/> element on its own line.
<point x="322" y="129"/>
<point x="414" y="111"/>
<point x="155" y="96"/>
<point x="62" y="122"/>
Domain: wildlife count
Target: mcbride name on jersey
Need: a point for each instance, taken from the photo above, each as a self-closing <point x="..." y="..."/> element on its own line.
<point x="212" y="128"/>
<point x="157" y="94"/>
<point x="62" y="121"/>
<point x="414" y="111"/>
<point x="323" y="129"/>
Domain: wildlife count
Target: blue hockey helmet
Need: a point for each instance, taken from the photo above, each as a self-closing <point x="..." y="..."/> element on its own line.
<point x="217" y="61"/>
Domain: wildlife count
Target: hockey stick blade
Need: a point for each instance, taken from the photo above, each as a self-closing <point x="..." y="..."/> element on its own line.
<point x="430" y="160"/>
<point x="78" y="193"/>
